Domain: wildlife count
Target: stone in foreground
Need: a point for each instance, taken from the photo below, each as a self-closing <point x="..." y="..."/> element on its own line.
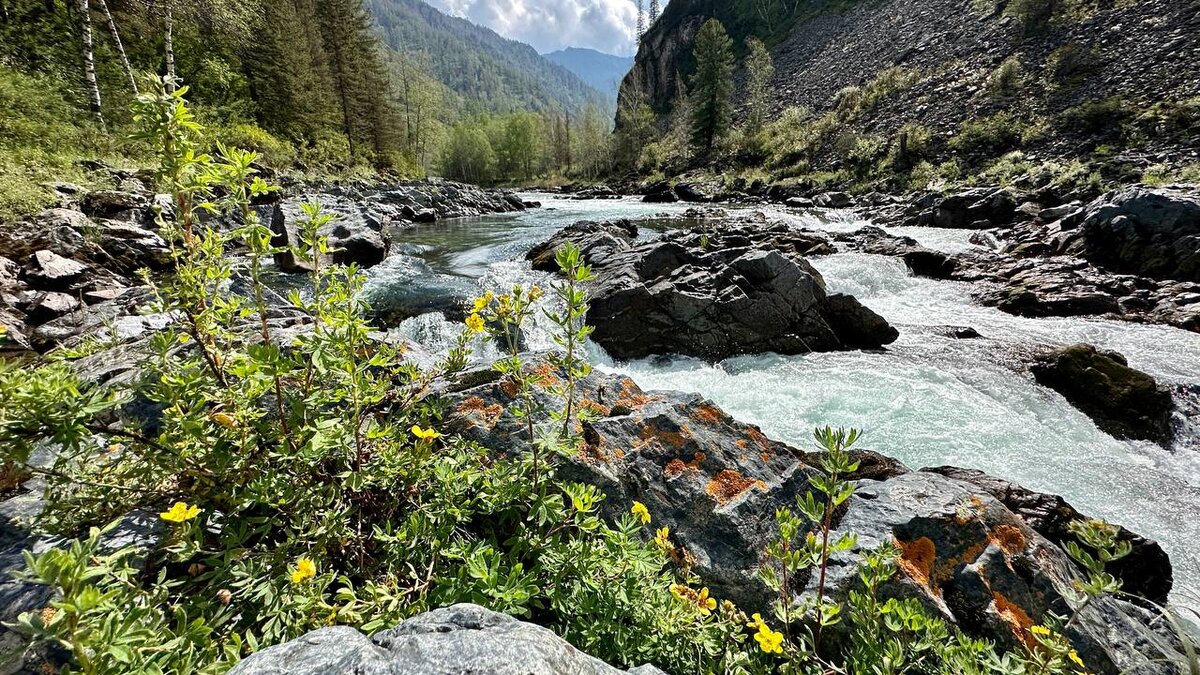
<point x="462" y="638"/>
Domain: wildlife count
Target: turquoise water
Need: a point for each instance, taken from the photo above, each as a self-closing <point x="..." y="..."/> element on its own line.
<point x="927" y="400"/>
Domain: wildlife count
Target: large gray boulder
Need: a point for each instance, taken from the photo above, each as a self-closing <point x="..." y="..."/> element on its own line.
<point x="739" y="289"/>
<point x="974" y="208"/>
<point x="717" y="483"/>
<point x="1139" y="230"/>
<point x="453" y="640"/>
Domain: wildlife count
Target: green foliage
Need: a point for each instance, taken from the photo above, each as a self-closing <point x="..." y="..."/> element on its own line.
<point x="711" y="86"/>
<point x="1007" y="79"/>
<point x="759" y="71"/>
<point x="1095" y="118"/>
<point x="1069" y="65"/>
<point x="995" y="135"/>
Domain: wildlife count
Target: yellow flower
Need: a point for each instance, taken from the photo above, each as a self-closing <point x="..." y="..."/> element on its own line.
<point x="1074" y="656"/>
<point x="3" y="330"/>
<point x="224" y="419"/>
<point x="1039" y="630"/>
<point x="424" y="434"/>
<point x="305" y="569"/>
<point x="184" y="338"/>
<point x="484" y="301"/>
<point x="475" y="323"/>
<point x="639" y="509"/>
<point x="180" y="512"/>
<point x="680" y="591"/>
<point x="768" y="640"/>
<point x="756" y="621"/>
<point x="704" y="603"/>
<point x="662" y="538"/>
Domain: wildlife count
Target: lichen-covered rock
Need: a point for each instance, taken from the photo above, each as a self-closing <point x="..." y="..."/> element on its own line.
<point x="1124" y="402"/>
<point x="739" y="289"/>
<point x="716" y="483"/>
<point x="453" y="640"/>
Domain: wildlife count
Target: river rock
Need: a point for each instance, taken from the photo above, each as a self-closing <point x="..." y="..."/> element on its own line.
<point x="1124" y="402"/>
<point x="833" y="200"/>
<point x="717" y="482"/>
<point x="736" y="290"/>
<point x="1138" y="230"/>
<point x="660" y="193"/>
<point x="462" y="638"/>
<point x="594" y="240"/>
<point x="9" y="276"/>
<point x="694" y="192"/>
<point x="976" y="208"/>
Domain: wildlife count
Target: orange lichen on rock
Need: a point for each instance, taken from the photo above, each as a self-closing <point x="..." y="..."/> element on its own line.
<point x="729" y="484"/>
<point x="671" y="440"/>
<point x="916" y="560"/>
<point x="709" y="414"/>
<point x="631" y="397"/>
<point x="547" y="376"/>
<point x="587" y="405"/>
<point x="510" y="387"/>
<point x="477" y="412"/>
<point x="1015" y="617"/>
<point x="674" y="468"/>
<point x="758" y="438"/>
<point x="1009" y="538"/>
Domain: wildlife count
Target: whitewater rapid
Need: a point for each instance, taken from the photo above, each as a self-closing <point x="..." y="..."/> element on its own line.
<point x="927" y="400"/>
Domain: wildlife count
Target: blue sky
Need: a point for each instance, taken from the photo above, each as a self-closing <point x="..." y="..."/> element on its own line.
<point x="548" y="25"/>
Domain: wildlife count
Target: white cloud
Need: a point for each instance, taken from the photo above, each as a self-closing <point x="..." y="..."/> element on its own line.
<point x="605" y="25"/>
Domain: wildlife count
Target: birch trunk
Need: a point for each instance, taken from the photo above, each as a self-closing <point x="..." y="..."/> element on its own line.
<point x="89" y="60"/>
<point x="112" y="28"/>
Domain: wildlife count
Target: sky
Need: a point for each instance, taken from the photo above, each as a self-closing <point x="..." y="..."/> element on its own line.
<point x="549" y="25"/>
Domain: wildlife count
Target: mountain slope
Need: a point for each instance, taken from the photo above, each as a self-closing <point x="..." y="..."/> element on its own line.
<point x="602" y="71"/>
<point x="1110" y="85"/>
<point x="495" y="74"/>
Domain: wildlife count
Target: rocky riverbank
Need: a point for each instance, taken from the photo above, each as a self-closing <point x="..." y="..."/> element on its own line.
<point x="69" y="269"/>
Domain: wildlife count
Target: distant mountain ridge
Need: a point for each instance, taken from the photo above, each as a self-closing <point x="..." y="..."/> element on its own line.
<point x="602" y="71"/>
<point x="490" y="72"/>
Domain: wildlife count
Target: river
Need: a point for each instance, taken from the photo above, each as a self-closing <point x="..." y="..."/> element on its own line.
<point x="927" y="400"/>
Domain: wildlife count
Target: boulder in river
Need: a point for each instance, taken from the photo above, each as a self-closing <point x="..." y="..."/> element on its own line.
<point x="975" y="208"/>
<point x="736" y="290"/>
<point x="461" y="638"/>
<point x="1124" y="402"/>
<point x="1139" y="230"/>
<point x="965" y="553"/>
<point x="660" y="193"/>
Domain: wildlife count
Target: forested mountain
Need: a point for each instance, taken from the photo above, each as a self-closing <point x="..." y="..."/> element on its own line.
<point x="495" y="74"/>
<point x="602" y="71"/>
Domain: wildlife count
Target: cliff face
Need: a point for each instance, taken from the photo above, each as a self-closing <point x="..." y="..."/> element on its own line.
<point x="1098" y="63"/>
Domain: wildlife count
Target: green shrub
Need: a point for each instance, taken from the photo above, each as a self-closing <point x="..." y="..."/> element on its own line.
<point x="1095" y="117"/>
<point x="1069" y="65"/>
<point x="273" y="151"/>
<point x="1007" y="79"/>
<point x="992" y="136"/>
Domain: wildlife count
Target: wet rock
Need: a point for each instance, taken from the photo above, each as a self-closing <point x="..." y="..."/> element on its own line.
<point x="12" y="333"/>
<point x="405" y="286"/>
<point x="50" y="271"/>
<point x="833" y="200"/>
<point x="461" y="638"/>
<point x="660" y="193"/>
<point x="1154" y="233"/>
<point x="736" y="290"/>
<point x="1124" y="402"/>
<point x="798" y="202"/>
<point x="600" y="191"/>
<point x="1146" y="572"/>
<point x="694" y="192"/>
<point x="976" y="208"/>
<point x="594" y="240"/>
<point x="716" y="483"/>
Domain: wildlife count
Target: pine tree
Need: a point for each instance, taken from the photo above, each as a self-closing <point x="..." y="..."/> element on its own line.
<point x="641" y="22"/>
<point x="358" y="84"/>
<point x="291" y="77"/>
<point x="653" y="11"/>
<point x="712" y="86"/>
<point x="759" y="71"/>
